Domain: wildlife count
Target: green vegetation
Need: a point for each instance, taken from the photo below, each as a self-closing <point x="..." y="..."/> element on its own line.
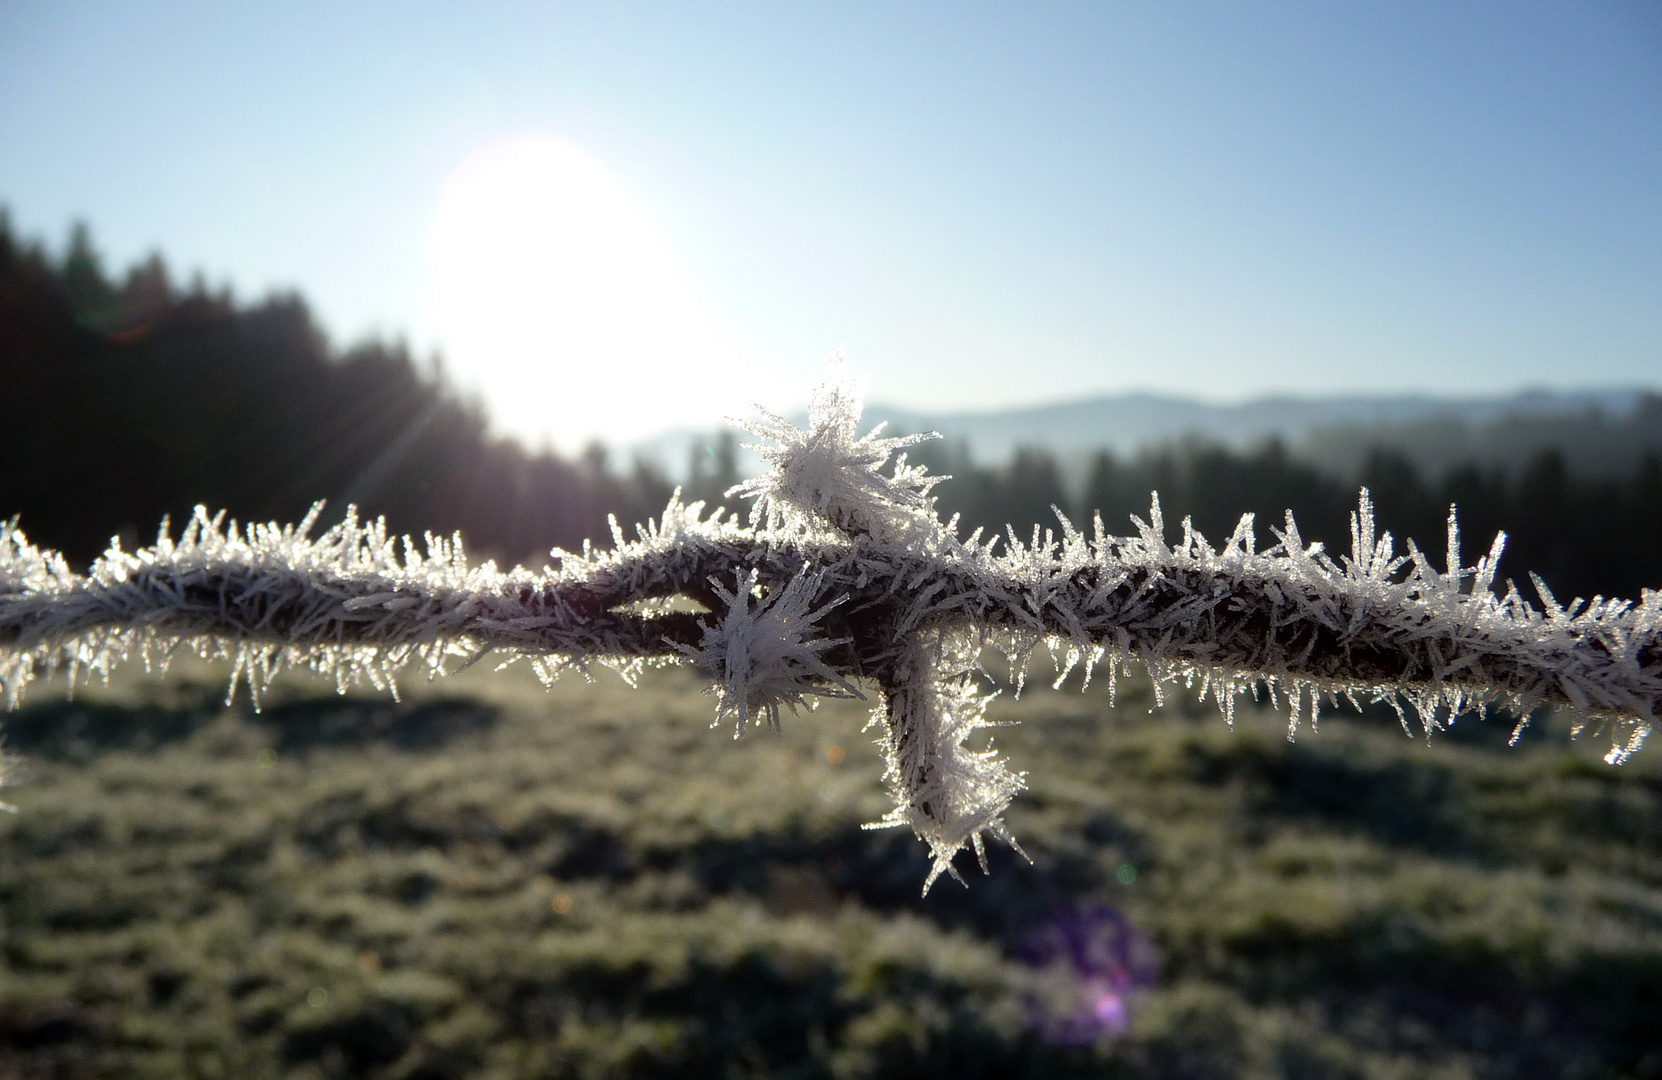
<point x="493" y="880"/>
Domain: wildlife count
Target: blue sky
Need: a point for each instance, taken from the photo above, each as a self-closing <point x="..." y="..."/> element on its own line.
<point x="983" y="205"/>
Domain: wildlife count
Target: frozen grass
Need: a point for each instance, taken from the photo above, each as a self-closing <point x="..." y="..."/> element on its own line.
<point x="490" y="879"/>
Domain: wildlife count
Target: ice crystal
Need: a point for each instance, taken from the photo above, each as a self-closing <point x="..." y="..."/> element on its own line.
<point x="831" y="475"/>
<point x="765" y="654"/>
<point x="846" y="573"/>
<point x="948" y="794"/>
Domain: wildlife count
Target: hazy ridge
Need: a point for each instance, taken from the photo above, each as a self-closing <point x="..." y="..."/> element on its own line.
<point x="1590" y="426"/>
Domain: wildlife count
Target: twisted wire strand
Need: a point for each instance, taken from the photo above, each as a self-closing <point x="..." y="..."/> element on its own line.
<point x="854" y="576"/>
<point x="1363" y="624"/>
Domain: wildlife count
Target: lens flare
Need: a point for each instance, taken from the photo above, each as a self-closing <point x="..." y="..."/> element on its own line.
<point x="1090" y="964"/>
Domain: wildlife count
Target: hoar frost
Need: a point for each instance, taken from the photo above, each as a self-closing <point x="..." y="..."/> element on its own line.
<point x="946" y="792"/>
<point x="764" y="654"/>
<point x="845" y="573"/>
<point x="829" y="475"/>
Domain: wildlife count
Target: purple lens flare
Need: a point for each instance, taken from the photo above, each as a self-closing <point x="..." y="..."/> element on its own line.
<point x="1090" y="964"/>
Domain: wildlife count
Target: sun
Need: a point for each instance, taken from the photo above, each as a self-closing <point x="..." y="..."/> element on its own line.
<point x="561" y="301"/>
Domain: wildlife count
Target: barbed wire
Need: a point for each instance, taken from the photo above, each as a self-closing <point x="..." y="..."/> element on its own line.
<point x="846" y="575"/>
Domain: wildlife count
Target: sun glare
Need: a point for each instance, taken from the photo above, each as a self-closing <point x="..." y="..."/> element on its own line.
<point x="562" y="302"/>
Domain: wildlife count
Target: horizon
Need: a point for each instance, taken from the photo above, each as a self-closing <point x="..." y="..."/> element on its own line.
<point x="1520" y="393"/>
<point x="1222" y="206"/>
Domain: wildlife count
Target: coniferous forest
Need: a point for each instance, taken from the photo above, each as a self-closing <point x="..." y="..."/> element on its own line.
<point x="144" y="399"/>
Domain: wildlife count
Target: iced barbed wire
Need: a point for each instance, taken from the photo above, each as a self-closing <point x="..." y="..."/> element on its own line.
<point x="763" y="653"/>
<point x="943" y="790"/>
<point x="847" y="574"/>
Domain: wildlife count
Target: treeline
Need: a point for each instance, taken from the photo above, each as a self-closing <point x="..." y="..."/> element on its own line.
<point x="1593" y="442"/>
<point x="1584" y="536"/>
<point x="126" y="400"/>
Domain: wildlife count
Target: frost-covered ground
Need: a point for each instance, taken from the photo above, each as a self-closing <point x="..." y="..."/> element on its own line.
<point x="496" y="880"/>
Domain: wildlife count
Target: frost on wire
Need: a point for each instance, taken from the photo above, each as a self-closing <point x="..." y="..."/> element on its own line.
<point x="845" y="575"/>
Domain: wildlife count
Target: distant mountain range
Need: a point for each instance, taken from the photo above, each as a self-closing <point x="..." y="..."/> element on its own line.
<point x="1436" y="430"/>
